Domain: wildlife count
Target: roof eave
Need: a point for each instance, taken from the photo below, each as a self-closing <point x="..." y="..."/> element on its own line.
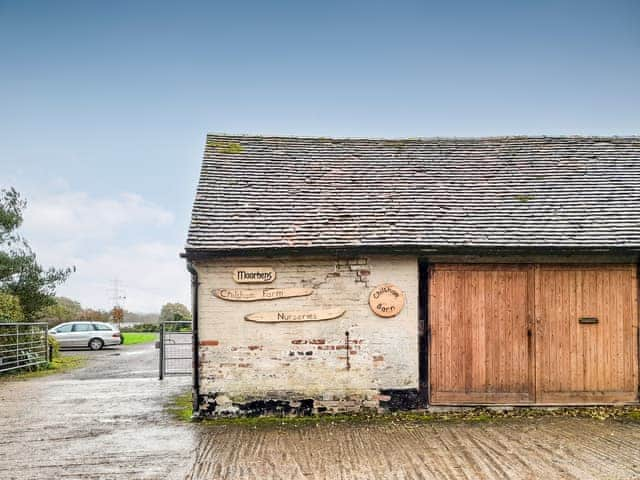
<point x="191" y="253"/>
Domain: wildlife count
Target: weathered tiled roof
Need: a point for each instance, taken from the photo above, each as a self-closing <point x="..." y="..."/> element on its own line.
<point x="277" y="192"/>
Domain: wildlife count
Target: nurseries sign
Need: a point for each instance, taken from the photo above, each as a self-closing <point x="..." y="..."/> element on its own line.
<point x="254" y="275"/>
<point x="295" y="316"/>
<point x="386" y="300"/>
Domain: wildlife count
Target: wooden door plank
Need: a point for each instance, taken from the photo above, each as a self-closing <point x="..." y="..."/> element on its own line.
<point x="532" y="330"/>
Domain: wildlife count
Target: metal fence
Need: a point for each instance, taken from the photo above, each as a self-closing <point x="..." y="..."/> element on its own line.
<point x="23" y="345"/>
<point x="176" y="348"/>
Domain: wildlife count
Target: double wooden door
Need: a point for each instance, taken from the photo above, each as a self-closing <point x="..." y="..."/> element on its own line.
<point x="519" y="334"/>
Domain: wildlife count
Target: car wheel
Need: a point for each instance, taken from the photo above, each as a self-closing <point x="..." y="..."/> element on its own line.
<point x="121" y="339"/>
<point x="96" y="344"/>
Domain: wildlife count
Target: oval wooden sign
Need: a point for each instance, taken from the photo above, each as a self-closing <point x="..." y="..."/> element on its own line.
<point x="255" y="294"/>
<point x="386" y="300"/>
<point x="295" y="316"/>
<point x="254" y="275"/>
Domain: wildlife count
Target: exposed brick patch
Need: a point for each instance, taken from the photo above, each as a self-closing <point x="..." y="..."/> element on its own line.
<point x="209" y="343"/>
<point x="378" y="358"/>
<point x="244" y="365"/>
<point x="356" y="268"/>
<point x="358" y="261"/>
<point x="326" y="347"/>
<point x="298" y="342"/>
<point x="317" y="341"/>
<point x="255" y="347"/>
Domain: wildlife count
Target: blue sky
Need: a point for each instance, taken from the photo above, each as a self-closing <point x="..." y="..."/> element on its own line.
<point x="104" y="105"/>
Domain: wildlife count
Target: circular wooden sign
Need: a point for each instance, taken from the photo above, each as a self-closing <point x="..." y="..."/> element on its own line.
<point x="386" y="300"/>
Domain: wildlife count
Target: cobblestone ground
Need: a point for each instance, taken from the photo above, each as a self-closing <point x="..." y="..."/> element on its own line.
<point x="542" y="448"/>
<point x="106" y="421"/>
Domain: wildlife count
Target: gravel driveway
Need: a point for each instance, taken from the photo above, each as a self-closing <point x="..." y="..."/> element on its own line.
<point x="106" y="421"/>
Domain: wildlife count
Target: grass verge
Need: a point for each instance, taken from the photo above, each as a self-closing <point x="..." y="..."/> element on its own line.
<point x="57" y="365"/>
<point x="180" y="408"/>
<point x="134" y="338"/>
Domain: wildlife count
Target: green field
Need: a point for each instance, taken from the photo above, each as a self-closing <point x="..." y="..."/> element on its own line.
<point x="134" y="338"/>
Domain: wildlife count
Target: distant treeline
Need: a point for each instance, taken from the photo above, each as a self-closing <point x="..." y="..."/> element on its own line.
<point x="66" y="310"/>
<point x="142" y="327"/>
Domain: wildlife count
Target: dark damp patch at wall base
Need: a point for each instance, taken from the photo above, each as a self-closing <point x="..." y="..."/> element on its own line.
<point x="390" y="400"/>
<point x="394" y="400"/>
<point x="256" y="408"/>
<point x="222" y="406"/>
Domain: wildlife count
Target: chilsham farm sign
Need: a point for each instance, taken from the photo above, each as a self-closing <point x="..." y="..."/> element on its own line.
<point x="255" y="294"/>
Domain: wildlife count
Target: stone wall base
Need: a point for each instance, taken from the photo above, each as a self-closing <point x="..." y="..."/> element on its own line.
<point x="295" y="404"/>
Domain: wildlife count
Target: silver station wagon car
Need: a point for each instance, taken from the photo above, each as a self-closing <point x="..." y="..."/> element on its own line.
<point x="94" y="335"/>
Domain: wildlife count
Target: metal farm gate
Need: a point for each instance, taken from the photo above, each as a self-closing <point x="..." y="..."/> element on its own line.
<point x="23" y="345"/>
<point x="176" y="349"/>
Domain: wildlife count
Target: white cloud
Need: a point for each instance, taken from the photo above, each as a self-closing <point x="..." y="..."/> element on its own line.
<point x="65" y="213"/>
<point x="150" y="274"/>
<point x="121" y="237"/>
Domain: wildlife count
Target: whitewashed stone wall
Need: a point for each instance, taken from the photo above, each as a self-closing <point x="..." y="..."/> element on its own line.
<point x="242" y="361"/>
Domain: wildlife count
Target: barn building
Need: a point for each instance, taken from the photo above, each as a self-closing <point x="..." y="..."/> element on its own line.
<point x="342" y="274"/>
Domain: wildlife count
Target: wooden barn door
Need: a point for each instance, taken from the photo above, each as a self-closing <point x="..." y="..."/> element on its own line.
<point x="480" y="347"/>
<point x="580" y="361"/>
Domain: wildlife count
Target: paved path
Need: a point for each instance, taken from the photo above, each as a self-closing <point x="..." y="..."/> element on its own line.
<point x="106" y="421"/>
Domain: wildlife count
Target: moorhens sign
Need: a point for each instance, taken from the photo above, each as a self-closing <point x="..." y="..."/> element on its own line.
<point x="254" y="275"/>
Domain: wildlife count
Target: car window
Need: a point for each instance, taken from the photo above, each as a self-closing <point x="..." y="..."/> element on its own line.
<point x="101" y="326"/>
<point x="82" y="327"/>
<point x="64" y="328"/>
